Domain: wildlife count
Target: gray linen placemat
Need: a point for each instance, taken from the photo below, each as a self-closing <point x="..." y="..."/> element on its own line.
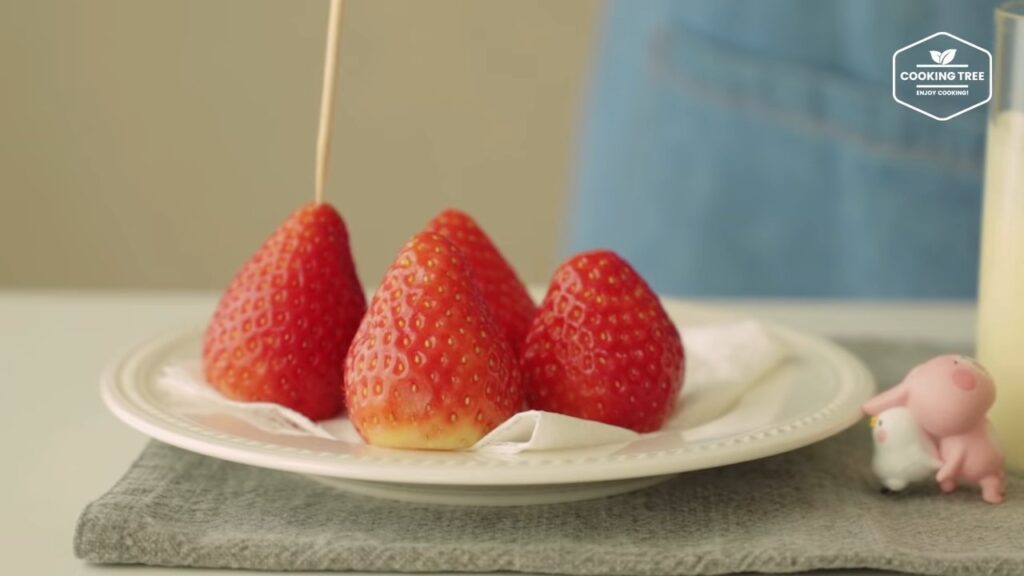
<point x="814" y="508"/>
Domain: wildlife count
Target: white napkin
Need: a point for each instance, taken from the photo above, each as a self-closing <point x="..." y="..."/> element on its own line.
<point x="723" y="362"/>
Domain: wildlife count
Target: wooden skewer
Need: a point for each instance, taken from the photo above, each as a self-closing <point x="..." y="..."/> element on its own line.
<point x="323" y="140"/>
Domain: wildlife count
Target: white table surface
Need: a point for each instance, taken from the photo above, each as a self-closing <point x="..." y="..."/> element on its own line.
<point x="64" y="449"/>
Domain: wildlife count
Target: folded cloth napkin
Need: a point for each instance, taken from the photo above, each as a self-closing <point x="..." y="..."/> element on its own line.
<point x="722" y="362"/>
<point x="814" y="508"/>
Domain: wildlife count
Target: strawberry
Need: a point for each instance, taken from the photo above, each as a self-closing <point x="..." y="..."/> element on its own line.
<point x="429" y="367"/>
<point x="500" y="286"/>
<point x="283" y="326"/>
<point x="601" y="346"/>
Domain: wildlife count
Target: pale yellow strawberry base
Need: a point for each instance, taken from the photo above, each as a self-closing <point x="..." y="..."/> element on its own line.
<point x="437" y="435"/>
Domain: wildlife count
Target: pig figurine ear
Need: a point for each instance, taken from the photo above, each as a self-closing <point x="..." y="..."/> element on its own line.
<point x="896" y="396"/>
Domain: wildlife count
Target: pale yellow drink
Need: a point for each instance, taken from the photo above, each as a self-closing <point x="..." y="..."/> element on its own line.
<point x="1001" y="289"/>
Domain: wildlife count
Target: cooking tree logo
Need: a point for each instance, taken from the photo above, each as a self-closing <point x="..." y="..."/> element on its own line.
<point x="942" y="76"/>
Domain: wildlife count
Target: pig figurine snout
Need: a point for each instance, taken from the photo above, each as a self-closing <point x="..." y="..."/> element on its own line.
<point x="965" y="379"/>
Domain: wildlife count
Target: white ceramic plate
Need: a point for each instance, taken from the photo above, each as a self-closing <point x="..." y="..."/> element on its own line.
<point x="814" y="395"/>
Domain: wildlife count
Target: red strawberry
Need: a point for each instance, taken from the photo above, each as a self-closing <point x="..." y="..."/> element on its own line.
<point x="500" y="286"/>
<point x="602" y="348"/>
<point x="429" y="367"/>
<point x="283" y="326"/>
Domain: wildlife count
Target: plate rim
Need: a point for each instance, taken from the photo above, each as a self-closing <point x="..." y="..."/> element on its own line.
<point x="838" y="414"/>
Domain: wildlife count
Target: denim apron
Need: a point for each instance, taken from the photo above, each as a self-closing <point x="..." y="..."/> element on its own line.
<point x="753" y="148"/>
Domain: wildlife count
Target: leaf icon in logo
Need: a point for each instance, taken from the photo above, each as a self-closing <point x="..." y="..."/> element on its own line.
<point x="936" y="56"/>
<point x="948" y="56"/>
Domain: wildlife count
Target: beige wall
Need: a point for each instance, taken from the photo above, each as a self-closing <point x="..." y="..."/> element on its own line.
<point x="154" y="143"/>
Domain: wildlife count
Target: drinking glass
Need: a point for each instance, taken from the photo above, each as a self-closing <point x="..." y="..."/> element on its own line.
<point x="1000" y="328"/>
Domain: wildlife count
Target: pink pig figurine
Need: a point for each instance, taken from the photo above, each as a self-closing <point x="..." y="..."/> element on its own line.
<point x="948" y="396"/>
